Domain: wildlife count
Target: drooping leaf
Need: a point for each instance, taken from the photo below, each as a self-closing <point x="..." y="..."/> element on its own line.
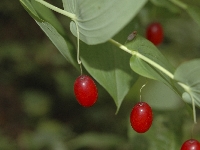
<point x="58" y="40"/>
<point x="188" y="73"/>
<point x="147" y="49"/>
<point x="110" y="67"/>
<point x="194" y="12"/>
<point x="100" y="20"/>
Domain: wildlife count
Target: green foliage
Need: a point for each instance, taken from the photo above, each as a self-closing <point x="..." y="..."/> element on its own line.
<point x="98" y="21"/>
<point x="46" y="80"/>
<point x="110" y="67"/>
<point x="191" y="79"/>
<point x="194" y="12"/>
<point x="163" y="134"/>
<point x="59" y="41"/>
<point x="147" y="49"/>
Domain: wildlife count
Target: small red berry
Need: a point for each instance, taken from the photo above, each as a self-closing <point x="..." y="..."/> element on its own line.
<point x="141" y="117"/>
<point x="191" y="144"/>
<point x="85" y="91"/>
<point x="154" y="33"/>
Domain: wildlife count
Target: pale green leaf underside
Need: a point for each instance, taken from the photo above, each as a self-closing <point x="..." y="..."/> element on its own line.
<point x="188" y="73"/>
<point x="100" y="20"/>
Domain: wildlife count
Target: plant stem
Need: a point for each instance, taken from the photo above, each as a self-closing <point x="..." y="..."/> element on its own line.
<point x="187" y="89"/>
<point x="63" y="12"/>
<point x="121" y="46"/>
<point x="132" y="52"/>
<point x="179" y="3"/>
<point x="155" y="65"/>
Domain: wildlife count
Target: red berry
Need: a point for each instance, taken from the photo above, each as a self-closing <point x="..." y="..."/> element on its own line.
<point x="85" y="91"/>
<point x="191" y="145"/>
<point x="154" y="33"/>
<point x="141" y="117"/>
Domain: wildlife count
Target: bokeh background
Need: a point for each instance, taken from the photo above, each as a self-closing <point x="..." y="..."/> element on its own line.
<point x="38" y="110"/>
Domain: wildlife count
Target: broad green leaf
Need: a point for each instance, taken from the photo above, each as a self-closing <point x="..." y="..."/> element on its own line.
<point x="188" y="73"/>
<point x="100" y="20"/>
<point x="194" y="12"/>
<point x="57" y="39"/>
<point x="147" y="49"/>
<point x="110" y="67"/>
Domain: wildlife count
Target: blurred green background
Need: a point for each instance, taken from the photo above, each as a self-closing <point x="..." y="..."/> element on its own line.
<point x="38" y="110"/>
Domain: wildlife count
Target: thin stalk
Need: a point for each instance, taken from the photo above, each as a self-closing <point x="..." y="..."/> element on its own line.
<point x="143" y="58"/>
<point x="121" y="46"/>
<point x="169" y="74"/>
<point x="194" y="109"/>
<point x="187" y="89"/>
<point x="179" y="4"/>
<point x="154" y="64"/>
<point x="63" y="12"/>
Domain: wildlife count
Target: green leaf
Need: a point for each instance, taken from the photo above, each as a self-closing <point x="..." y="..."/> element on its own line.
<point x="147" y="49"/>
<point x="62" y="45"/>
<point x="188" y="73"/>
<point x="57" y="39"/>
<point x="100" y="20"/>
<point x="29" y="8"/>
<point x="194" y="12"/>
<point x="47" y="15"/>
<point x="110" y="67"/>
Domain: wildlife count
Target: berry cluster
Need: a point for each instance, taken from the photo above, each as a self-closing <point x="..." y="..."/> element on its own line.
<point x="141" y="116"/>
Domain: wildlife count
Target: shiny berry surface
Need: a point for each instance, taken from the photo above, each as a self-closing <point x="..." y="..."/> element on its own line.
<point x="85" y="91"/>
<point x="191" y="144"/>
<point x="154" y="33"/>
<point x="141" y="117"/>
